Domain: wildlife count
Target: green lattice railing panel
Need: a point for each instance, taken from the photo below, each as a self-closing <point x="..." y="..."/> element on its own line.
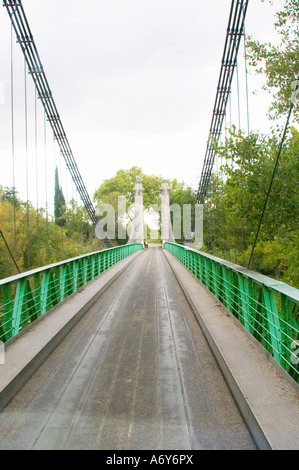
<point x="28" y="296"/>
<point x="268" y="309"/>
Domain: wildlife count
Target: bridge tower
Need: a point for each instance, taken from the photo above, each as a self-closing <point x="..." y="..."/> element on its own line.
<point x="166" y="229"/>
<point x="137" y="232"/>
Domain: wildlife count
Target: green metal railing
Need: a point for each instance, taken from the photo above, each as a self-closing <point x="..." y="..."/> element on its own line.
<point x="28" y="296"/>
<point x="267" y="308"/>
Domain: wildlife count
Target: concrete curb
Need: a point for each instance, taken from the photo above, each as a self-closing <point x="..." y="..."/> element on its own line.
<point x="267" y="401"/>
<point x="24" y="355"/>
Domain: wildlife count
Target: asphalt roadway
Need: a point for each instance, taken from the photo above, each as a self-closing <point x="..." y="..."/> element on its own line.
<point x="135" y="373"/>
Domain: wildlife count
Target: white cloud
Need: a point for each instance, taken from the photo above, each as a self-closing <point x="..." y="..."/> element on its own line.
<point x="134" y="80"/>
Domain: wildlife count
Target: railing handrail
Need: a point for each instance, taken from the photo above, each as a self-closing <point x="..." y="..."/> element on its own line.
<point x="281" y="287"/>
<point x="268" y="309"/>
<point x="32" y="272"/>
<point x="26" y="297"/>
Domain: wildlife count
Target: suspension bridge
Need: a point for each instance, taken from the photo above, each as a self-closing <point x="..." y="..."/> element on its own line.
<point x="107" y="346"/>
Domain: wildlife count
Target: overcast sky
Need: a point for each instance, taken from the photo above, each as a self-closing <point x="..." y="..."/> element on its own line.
<point x="134" y="80"/>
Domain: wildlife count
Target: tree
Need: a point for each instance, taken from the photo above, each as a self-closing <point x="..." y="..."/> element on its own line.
<point x="248" y="167"/>
<point x="123" y="183"/>
<point x="59" y="202"/>
<point x="183" y="195"/>
<point x="249" y="163"/>
<point x="48" y="242"/>
<point x="279" y="64"/>
<point x="122" y="186"/>
<point x="10" y="195"/>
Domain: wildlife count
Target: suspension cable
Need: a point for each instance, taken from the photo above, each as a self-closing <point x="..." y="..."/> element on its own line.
<point x="27" y="170"/>
<point x="25" y="39"/>
<point x="235" y="30"/>
<point x="56" y="235"/>
<point x="46" y="186"/>
<point x="36" y="178"/>
<point x="13" y="141"/>
<point x="238" y="95"/>
<point x="9" y="251"/>
<point x="62" y="215"/>
<point x="246" y="81"/>
<point x="271" y="182"/>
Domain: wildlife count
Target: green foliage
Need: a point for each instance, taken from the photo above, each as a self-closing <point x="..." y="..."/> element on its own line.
<point x="10" y="195"/>
<point x="279" y="258"/>
<point x="249" y="162"/>
<point x="236" y="203"/>
<point x="279" y="63"/>
<point x="59" y="202"/>
<point x="123" y="184"/>
<point x="181" y="194"/>
<point x="41" y="241"/>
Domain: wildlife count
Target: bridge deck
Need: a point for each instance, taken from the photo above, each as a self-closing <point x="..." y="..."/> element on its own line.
<point x="135" y="373"/>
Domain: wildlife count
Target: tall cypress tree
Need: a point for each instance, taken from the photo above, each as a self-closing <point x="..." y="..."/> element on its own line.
<point x="59" y="202"/>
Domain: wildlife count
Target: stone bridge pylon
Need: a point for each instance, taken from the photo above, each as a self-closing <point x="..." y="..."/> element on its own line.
<point x="138" y="231"/>
<point x="166" y="228"/>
